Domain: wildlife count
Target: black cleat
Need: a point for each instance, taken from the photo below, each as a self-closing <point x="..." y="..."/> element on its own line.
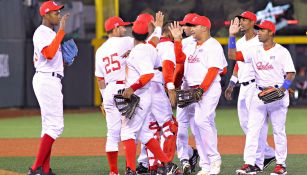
<point x="38" y="171"/>
<point x="168" y="169"/>
<point x="142" y="170"/>
<point x="194" y="160"/>
<point x="268" y="161"/>
<point x="130" y="172"/>
<point x="246" y="169"/>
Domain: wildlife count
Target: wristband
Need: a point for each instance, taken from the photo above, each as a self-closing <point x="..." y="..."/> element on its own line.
<point x="170" y="86"/>
<point x="234" y="79"/>
<point x="286" y="84"/>
<point x="232" y="42"/>
<point x="157" y="32"/>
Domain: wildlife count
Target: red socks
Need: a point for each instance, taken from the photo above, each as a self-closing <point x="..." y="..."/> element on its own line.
<point x="130" y="150"/>
<point x="154" y="146"/>
<point x="44" y="150"/>
<point x="46" y="165"/>
<point x="112" y="158"/>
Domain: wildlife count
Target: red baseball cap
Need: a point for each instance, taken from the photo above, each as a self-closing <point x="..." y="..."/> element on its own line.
<point x="266" y="25"/>
<point x="201" y="20"/>
<point x="145" y="17"/>
<point x="49" y="6"/>
<point x="113" y="22"/>
<point x="188" y="18"/>
<point x="248" y="15"/>
<point x="140" y="27"/>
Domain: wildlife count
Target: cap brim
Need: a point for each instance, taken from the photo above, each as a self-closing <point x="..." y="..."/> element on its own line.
<point x="182" y="23"/>
<point x="60" y="7"/>
<point x="257" y="27"/>
<point x="190" y="24"/>
<point x="126" y="23"/>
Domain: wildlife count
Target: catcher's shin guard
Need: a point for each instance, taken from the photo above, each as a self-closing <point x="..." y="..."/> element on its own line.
<point x="170" y="130"/>
<point x="153" y="162"/>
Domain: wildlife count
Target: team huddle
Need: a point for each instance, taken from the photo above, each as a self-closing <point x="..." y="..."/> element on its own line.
<point x="142" y="77"/>
<point x="156" y="62"/>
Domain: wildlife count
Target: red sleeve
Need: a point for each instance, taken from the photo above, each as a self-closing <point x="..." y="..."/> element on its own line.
<point x="209" y="78"/>
<point x="168" y="68"/>
<point x="224" y="71"/>
<point x="50" y="51"/>
<point x="142" y="81"/>
<point x="239" y="56"/>
<point x="178" y="75"/>
<point x="152" y="43"/>
<point x="236" y="68"/>
<point x="100" y="78"/>
<point x="180" y="56"/>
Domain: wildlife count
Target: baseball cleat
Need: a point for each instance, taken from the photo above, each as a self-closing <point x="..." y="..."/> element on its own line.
<point x="246" y="169"/>
<point x="194" y="160"/>
<point x="142" y="170"/>
<point x="215" y="167"/>
<point x="168" y="169"/>
<point x="279" y="170"/>
<point x="186" y="167"/>
<point x="38" y="171"/>
<point x="130" y="172"/>
<point x="112" y="173"/>
<point x="268" y="161"/>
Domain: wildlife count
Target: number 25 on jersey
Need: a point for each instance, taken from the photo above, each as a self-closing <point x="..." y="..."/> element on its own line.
<point x="111" y="63"/>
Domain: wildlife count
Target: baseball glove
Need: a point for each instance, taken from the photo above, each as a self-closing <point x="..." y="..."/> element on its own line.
<point x="69" y="51"/>
<point x="189" y="96"/>
<point x="126" y="106"/>
<point x="271" y="94"/>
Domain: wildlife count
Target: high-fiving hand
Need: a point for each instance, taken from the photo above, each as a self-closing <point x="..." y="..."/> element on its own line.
<point x="176" y="30"/>
<point x="234" y="27"/>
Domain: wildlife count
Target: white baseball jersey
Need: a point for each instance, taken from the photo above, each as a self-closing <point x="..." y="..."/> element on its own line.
<point x="246" y="71"/>
<point x="165" y="52"/>
<point x="141" y="61"/>
<point x="43" y="36"/>
<point x="199" y="58"/>
<point x="270" y="65"/>
<point x="109" y="61"/>
<point x="186" y="41"/>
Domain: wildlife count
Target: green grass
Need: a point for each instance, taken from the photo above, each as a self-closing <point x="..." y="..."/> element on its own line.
<point x="93" y="125"/>
<point x="99" y="166"/>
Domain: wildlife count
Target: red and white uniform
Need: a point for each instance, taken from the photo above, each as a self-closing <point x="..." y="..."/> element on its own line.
<point x="185" y="117"/>
<point x="111" y="66"/>
<point x="140" y="62"/>
<point x="246" y="76"/>
<point x="47" y="84"/>
<point x="209" y="54"/>
<point x="270" y="68"/>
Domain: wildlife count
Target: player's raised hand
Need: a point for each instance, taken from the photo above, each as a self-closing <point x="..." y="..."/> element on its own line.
<point x="176" y="30"/>
<point x="234" y="27"/>
<point x="159" y="19"/>
<point x="63" y="21"/>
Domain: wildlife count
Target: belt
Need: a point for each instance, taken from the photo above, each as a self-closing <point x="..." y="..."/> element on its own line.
<point x="263" y="88"/>
<point x="54" y="74"/>
<point x="158" y="68"/>
<point x="248" y="82"/>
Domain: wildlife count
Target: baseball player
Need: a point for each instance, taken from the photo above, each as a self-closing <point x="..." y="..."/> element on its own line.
<point x="161" y="111"/>
<point x="273" y="67"/>
<point x="207" y="57"/>
<point x="110" y="72"/>
<point x="47" y="86"/>
<point x="140" y="71"/>
<point x="187" y="155"/>
<point x="245" y="74"/>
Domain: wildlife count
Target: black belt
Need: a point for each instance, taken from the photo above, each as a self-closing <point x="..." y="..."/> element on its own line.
<point x="54" y="74"/>
<point x="158" y="68"/>
<point x="263" y="88"/>
<point x="248" y="82"/>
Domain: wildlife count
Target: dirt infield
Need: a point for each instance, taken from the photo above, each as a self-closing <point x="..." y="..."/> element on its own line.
<point x="95" y="146"/>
